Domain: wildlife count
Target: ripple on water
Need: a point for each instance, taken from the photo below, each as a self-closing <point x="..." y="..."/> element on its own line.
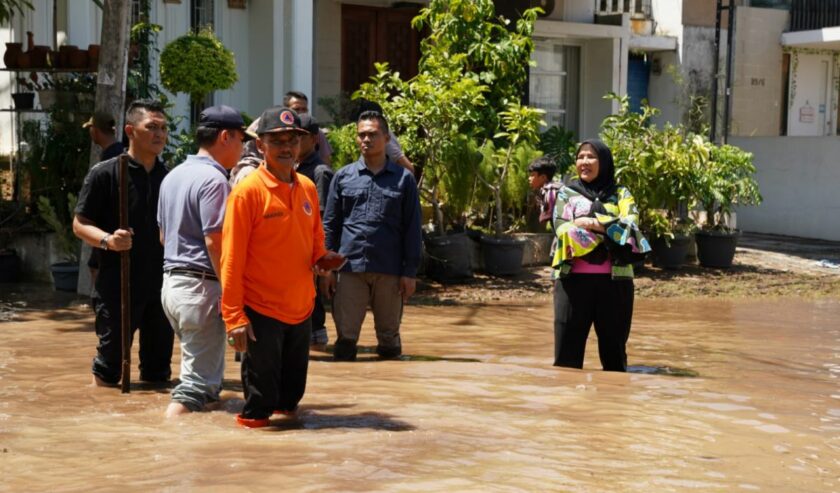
<point x="662" y="370"/>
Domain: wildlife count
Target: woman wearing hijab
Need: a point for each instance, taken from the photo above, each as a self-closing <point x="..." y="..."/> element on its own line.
<point x="596" y="225"/>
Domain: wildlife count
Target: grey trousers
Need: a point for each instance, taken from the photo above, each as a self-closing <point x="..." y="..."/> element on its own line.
<point x="192" y="307"/>
<point x="353" y="293"/>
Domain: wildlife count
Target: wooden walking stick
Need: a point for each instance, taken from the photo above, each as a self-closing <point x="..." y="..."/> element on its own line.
<point x="125" y="264"/>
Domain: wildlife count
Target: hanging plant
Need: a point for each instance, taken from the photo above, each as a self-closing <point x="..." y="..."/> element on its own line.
<point x="197" y="64"/>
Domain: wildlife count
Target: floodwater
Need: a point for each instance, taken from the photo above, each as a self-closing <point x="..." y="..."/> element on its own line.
<point x="724" y="396"/>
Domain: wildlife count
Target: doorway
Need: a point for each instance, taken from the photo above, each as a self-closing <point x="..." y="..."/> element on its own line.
<point x="375" y="34"/>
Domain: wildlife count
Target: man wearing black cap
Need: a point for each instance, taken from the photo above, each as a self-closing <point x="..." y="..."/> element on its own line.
<point x="313" y="167"/>
<point x="102" y="129"/>
<point x="271" y="240"/>
<point x="191" y="212"/>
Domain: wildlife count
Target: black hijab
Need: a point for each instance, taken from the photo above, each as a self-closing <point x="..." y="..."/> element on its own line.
<point x="603" y="186"/>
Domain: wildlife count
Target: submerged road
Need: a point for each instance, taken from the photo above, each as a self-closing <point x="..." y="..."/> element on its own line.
<point x="723" y="396"/>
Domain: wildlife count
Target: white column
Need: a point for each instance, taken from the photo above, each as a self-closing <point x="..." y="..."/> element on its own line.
<point x="303" y="54"/>
<point x="279" y="49"/>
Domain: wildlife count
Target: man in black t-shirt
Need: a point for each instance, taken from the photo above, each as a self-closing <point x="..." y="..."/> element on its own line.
<point x="102" y="129"/>
<point x="97" y="223"/>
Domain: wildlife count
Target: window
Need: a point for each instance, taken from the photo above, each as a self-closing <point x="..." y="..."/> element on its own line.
<point x="554" y="84"/>
<point x="136" y="11"/>
<point x="201" y="14"/>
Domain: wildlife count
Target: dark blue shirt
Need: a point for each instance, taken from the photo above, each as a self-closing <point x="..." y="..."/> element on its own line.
<point x="374" y="220"/>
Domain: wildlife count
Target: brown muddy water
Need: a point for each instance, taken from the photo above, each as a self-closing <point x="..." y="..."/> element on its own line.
<point x="725" y="396"/>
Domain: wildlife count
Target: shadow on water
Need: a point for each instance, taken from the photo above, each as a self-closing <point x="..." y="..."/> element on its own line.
<point x="668" y="371"/>
<point x="307" y="420"/>
<point x="155" y="387"/>
<point x="314" y="417"/>
<point x="370" y="356"/>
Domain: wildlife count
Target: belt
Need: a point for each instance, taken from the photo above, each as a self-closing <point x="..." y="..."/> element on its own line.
<point x="198" y="274"/>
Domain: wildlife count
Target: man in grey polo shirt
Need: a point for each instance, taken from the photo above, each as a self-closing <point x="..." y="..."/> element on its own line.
<point x="191" y="212"/>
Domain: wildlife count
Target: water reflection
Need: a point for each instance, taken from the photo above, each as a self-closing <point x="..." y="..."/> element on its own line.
<point x="721" y="396"/>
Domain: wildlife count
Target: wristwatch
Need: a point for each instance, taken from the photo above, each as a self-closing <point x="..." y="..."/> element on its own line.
<point x="103" y="243"/>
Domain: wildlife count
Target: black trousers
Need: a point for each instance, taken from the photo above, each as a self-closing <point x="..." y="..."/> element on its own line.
<point x="583" y="299"/>
<point x="274" y="366"/>
<point x="156" y="338"/>
<point x="319" y="315"/>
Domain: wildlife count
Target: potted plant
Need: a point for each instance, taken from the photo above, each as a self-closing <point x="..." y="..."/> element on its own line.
<point x="68" y="91"/>
<point x="25" y="97"/>
<point x="662" y="168"/>
<point x="65" y="272"/>
<point x="503" y="173"/>
<point x="197" y="64"/>
<point x="728" y="180"/>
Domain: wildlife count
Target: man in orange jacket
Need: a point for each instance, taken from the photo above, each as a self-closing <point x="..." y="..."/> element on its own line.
<point x="271" y="240"/>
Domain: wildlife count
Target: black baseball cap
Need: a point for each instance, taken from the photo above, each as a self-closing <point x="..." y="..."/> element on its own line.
<point x="279" y="119"/>
<point x="309" y="123"/>
<point x="221" y="116"/>
<point x="102" y="121"/>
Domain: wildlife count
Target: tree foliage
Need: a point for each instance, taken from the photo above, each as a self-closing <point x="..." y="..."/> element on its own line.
<point x="492" y="52"/>
<point x="8" y="9"/>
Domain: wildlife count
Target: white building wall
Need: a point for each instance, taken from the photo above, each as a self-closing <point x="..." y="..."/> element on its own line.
<point x="260" y="36"/>
<point x="603" y="66"/>
<point x="175" y="20"/>
<point x="600" y="62"/>
<point x="664" y="90"/>
<point x="757" y="72"/>
<point x="798" y="178"/>
<point x="230" y="26"/>
<point x="575" y="11"/>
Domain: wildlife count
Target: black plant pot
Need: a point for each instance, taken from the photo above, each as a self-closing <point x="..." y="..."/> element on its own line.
<point x="670" y="255"/>
<point x="65" y="276"/>
<point x="716" y="248"/>
<point x="502" y="256"/>
<point x="24" y="100"/>
<point x="449" y="257"/>
<point x="9" y="266"/>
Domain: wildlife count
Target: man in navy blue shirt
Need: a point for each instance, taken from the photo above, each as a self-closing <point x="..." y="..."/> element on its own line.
<point x="372" y="218"/>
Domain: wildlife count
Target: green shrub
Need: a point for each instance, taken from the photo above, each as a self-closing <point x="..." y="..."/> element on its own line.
<point x="197" y="64"/>
<point x="343" y="142"/>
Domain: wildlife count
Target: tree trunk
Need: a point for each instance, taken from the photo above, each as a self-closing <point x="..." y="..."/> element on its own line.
<point x="110" y="91"/>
